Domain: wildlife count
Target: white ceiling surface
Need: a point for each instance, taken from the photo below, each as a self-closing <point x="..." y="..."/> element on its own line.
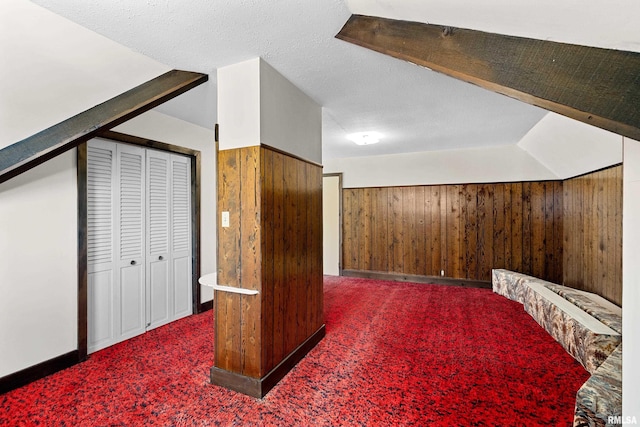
<point x="414" y="108"/>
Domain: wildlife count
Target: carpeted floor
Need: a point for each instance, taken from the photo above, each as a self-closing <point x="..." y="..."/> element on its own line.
<point x="394" y="354"/>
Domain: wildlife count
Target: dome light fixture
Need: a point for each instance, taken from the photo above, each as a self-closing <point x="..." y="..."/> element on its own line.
<point x="365" y="138"/>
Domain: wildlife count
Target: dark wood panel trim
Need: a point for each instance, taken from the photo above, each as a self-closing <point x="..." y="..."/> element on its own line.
<point x="597" y="86"/>
<point x="81" y="179"/>
<point x="146" y="142"/>
<point x="205" y="306"/>
<point x="41" y="370"/>
<point x="49" y="143"/>
<point x="260" y="387"/>
<point x="434" y="280"/>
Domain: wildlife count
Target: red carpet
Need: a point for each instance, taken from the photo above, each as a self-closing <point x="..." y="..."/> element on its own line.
<point x="394" y="354"/>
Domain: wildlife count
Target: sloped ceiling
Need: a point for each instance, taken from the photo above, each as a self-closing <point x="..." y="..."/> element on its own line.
<point x="414" y="108"/>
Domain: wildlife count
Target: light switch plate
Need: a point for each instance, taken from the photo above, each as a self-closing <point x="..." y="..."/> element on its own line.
<point x="225" y="218"/>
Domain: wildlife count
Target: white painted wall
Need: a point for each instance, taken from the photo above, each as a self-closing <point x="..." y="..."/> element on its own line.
<point x="256" y="104"/>
<point x="52" y="69"/>
<point x="163" y="128"/>
<point x="290" y="120"/>
<point x="239" y="104"/>
<point x="38" y="272"/>
<point x="498" y="164"/>
<point x="631" y="280"/>
<point x="570" y="148"/>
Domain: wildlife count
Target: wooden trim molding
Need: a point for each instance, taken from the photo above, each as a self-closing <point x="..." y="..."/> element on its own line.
<point x="597" y="86"/>
<point x="82" y="251"/>
<point x="41" y="370"/>
<point x="49" y="143"/>
<point x="435" y="280"/>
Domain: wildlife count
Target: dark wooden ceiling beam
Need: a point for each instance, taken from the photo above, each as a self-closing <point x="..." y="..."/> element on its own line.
<point x="597" y="86"/>
<point x="30" y="152"/>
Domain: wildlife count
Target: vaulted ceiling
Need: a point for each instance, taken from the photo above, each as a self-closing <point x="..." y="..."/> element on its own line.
<point x="415" y="109"/>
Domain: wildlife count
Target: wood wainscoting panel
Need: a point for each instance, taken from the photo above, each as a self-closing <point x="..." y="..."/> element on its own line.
<point x="593" y="233"/>
<point x="463" y="230"/>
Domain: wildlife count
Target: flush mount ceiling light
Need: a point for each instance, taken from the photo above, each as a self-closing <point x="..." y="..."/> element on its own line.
<point x="365" y="138"/>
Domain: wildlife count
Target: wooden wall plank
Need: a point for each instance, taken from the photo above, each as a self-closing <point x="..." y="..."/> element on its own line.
<point x="527" y="255"/>
<point x="382" y="230"/>
<point x="268" y="263"/>
<point x="409" y="221"/>
<point x="507" y="234"/>
<point x="349" y="256"/>
<point x="444" y="261"/>
<point x="291" y="215"/>
<point x="498" y="227"/>
<point x="454" y="231"/>
<point x="366" y="237"/>
<point x="420" y="247"/>
<point x="471" y="230"/>
<point x="228" y="323"/>
<point x="592" y="256"/>
<point x="317" y="244"/>
<point x="558" y="231"/>
<point x="250" y="267"/>
<point x="516" y="227"/>
<point x="279" y="267"/>
<point x="436" y="245"/>
<point x="398" y="230"/>
<point x="537" y="229"/>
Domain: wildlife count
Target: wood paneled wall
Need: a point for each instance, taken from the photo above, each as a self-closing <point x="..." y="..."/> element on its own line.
<point x="593" y="233"/>
<point x="465" y="230"/>
<point x="273" y="244"/>
<point x="292" y="284"/>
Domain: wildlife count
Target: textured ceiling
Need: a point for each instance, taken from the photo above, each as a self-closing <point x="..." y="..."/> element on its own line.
<point x="414" y="108"/>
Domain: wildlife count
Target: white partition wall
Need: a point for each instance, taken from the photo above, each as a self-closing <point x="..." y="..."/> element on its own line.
<point x="631" y="283"/>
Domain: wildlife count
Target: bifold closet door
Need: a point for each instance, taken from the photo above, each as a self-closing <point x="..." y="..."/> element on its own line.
<point x="181" y="236"/>
<point x="159" y="301"/>
<point x="139" y="241"/>
<point x="115" y="243"/>
<point x="169" y="290"/>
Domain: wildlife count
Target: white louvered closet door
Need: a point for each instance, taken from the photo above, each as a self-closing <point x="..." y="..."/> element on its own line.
<point x="159" y="292"/>
<point x="139" y="241"/>
<point x="101" y="280"/>
<point x="181" y="240"/>
<point x="130" y="240"/>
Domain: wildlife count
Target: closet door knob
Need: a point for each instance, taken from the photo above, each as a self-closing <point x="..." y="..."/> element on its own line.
<point x="160" y="257"/>
<point x="133" y="262"/>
